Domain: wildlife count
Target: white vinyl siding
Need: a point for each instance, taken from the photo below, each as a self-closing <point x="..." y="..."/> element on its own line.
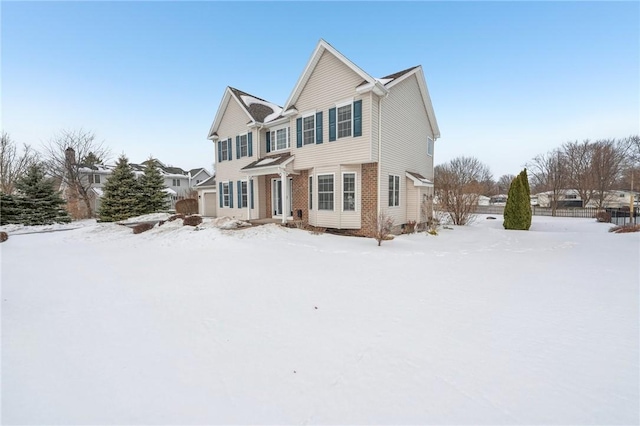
<point x="234" y="123"/>
<point x="331" y="82"/>
<point x="405" y="129"/>
<point x="338" y="217"/>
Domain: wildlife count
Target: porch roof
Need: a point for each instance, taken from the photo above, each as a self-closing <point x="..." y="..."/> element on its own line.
<point x="268" y="165"/>
<point x="418" y="179"/>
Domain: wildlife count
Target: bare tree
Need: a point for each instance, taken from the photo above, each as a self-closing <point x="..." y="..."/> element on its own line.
<point x="579" y="157"/>
<point x="383" y="224"/>
<point x="68" y="155"/>
<point x="13" y="164"/>
<point x="504" y="183"/>
<point x="609" y="158"/>
<point x="549" y="173"/>
<point x="458" y="185"/>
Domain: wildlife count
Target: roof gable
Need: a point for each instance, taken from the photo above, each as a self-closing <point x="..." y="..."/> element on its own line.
<point x="256" y="109"/>
<point x="320" y="49"/>
<point x="400" y="76"/>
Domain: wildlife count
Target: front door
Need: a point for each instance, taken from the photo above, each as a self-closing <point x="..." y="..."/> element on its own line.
<point x="276" y="197"/>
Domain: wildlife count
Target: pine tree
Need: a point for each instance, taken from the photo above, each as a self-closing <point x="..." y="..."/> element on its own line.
<point x="10" y="211"/>
<point x="517" y="212"/>
<point x="153" y="196"/>
<point x="37" y="201"/>
<point x="121" y="198"/>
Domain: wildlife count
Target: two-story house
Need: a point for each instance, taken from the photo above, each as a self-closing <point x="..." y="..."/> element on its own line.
<point x="344" y="147"/>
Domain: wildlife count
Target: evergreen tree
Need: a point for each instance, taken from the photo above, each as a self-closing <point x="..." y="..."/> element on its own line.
<point x="38" y="203"/>
<point x="517" y="212"/>
<point x="527" y="195"/>
<point x="153" y="196"/>
<point x="10" y="211"/>
<point x="121" y="198"/>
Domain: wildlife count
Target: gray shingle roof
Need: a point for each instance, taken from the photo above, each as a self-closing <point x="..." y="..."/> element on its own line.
<point x="257" y="111"/>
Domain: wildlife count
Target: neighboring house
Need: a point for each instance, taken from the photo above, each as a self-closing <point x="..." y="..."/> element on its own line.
<point x="178" y="182"/>
<point x="571" y="198"/>
<point x="344" y="147"/>
<point x="207" y="197"/>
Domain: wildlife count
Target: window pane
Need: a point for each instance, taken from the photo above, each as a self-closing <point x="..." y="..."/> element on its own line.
<point x="349" y="192"/>
<point x="344" y="121"/>
<point x="243" y="199"/>
<point x="308" y="126"/>
<point x="281" y="139"/>
<point x="244" y="152"/>
<point x="325" y="192"/>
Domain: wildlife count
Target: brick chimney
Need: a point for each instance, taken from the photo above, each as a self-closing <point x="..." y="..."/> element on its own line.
<point x="70" y="156"/>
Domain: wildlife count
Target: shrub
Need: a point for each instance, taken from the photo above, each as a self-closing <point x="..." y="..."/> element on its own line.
<point x="603" y="216"/>
<point x="187" y="206"/>
<point x="383" y="226"/>
<point x="3" y="237"/>
<point x="175" y="216"/>
<point x="517" y="212"/>
<point x="193" y="220"/>
<point x="142" y="227"/>
<point x="410" y="227"/>
<point x="623" y="229"/>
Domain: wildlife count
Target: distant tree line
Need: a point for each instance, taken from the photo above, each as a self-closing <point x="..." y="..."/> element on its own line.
<point x="592" y="168"/>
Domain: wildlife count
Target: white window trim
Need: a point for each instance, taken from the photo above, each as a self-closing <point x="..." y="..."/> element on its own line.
<point x="227" y="202"/>
<point x="306" y="115"/>
<point x="241" y="204"/>
<point x="430" y="146"/>
<point x="333" y="175"/>
<point x="311" y="193"/>
<point x="399" y="191"/>
<point x="344" y="102"/>
<point x="350" y="135"/>
<point x="222" y="151"/>
<point x="240" y="144"/>
<point x="355" y="191"/>
<point x="274" y="144"/>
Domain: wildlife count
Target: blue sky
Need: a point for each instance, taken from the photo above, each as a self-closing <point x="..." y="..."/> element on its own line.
<point x="508" y="80"/>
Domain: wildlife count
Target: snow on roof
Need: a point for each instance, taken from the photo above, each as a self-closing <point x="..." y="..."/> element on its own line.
<point x="266" y="161"/>
<point x="250" y="100"/>
<point x="170" y="191"/>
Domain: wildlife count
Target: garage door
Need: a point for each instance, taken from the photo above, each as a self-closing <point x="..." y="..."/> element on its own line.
<point x="209" y="208"/>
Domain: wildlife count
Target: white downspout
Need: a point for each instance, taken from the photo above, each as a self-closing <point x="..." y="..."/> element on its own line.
<point x="379" y="156"/>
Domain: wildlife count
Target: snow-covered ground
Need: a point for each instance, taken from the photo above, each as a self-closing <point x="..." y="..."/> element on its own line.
<point x="267" y="325"/>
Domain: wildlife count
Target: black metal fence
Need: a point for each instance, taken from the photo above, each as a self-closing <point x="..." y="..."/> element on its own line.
<point x="619" y="216"/>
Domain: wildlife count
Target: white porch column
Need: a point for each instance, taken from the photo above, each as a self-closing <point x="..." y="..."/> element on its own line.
<point x="249" y="196"/>
<point x="285" y="196"/>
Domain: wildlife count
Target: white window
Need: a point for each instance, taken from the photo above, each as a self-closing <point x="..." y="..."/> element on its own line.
<point x="309" y="129"/>
<point x="430" y="147"/>
<point x="394" y="190"/>
<point x="344" y="121"/>
<point x="310" y="192"/>
<point x="94" y="178"/>
<point x="176" y="182"/>
<point x="280" y="139"/>
<point x="225" y="194"/>
<point x="224" y="150"/>
<point x="325" y="192"/>
<point x="349" y="192"/>
<point x="243" y="195"/>
<point x="244" y="148"/>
